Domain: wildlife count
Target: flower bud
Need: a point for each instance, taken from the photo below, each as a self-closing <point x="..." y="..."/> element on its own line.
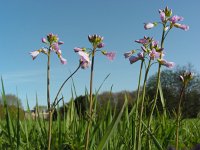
<point x="149" y="25"/>
<point x="100" y="45"/>
<point x="44" y="40"/>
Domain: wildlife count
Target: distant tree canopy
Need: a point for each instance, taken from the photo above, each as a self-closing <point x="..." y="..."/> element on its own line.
<point x="13" y="102"/>
<point x="115" y="100"/>
<point x="171" y="87"/>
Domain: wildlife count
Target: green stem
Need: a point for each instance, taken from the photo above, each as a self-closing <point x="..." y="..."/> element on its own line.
<point x="48" y="99"/>
<point x="138" y="144"/>
<point x="55" y="100"/>
<point x="179" y="116"/>
<point x="91" y="101"/>
<point x="157" y="85"/>
<point x="137" y="103"/>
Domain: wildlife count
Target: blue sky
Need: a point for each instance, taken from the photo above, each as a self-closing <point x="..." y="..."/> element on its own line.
<point x="24" y="23"/>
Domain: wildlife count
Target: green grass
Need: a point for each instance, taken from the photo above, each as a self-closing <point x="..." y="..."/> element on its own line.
<point x="109" y="131"/>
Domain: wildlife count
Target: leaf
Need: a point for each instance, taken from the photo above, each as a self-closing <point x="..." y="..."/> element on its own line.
<point x="111" y="128"/>
<point x="159" y="147"/>
<point x="162" y="99"/>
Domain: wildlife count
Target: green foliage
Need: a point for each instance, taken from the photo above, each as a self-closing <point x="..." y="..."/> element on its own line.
<point x="171" y="87"/>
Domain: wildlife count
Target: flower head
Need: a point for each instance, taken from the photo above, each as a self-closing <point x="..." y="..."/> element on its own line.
<point x="53" y="44"/>
<point x="186" y="77"/>
<point x="153" y="54"/>
<point x="95" y="39"/>
<point x="52" y="38"/>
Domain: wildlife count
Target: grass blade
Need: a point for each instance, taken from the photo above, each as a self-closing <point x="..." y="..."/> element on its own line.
<point x="111" y="128"/>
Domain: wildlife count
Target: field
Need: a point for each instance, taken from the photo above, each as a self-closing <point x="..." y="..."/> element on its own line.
<point x="162" y="113"/>
<point x="111" y="130"/>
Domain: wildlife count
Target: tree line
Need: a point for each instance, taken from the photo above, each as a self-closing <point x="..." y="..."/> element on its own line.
<point x="171" y="87"/>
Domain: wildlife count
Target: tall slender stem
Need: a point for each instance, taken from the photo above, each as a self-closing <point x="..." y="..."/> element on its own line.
<point x="157" y="84"/>
<point x="48" y="100"/>
<point x="91" y="101"/>
<point x="138" y="144"/>
<point x="137" y="103"/>
<point x="55" y="100"/>
<point x="179" y="115"/>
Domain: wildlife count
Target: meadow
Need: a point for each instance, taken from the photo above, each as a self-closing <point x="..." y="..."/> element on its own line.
<point x="110" y="130"/>
<point x="107" y="127"/>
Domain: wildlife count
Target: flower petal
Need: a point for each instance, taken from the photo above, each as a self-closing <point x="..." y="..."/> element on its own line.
<point x="34" y="54"/>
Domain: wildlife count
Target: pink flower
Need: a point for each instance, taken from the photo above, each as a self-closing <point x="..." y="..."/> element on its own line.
<point x="128" y="54"/>
<point x="84" y="55"/>
<point x="176" y="18"/>
<point x="141" y="55"/>
<point x="62" y="60"/>
<point x="154" y="44"/>
<point x="133" y="59"/>
<point x="142" y="41"/>
<point x="84" y="63"/>
<point x="77" y="49"/>
<point x="162" y="16"/>
<point x="181" y="26"/>
<point x="110" y="55"/>
<point x="84" y="59"/>
<point x="44" y="40"/>
<point x="34" y="54"/>
<point x="59" y="52"/>
<point x="100" y="45"/>
<point x="149" y="25"/>
<point x="153" y="54"/>
<point x="60" y="42"/>
<point x="55" y="47"/>
<point x="166" y="63"/>
<point x="144" y="49"/>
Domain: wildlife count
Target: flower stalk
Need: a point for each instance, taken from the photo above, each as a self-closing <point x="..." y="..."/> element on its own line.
<point x="185" y="78"/>
<point x="134" y="139"/>
<point x="178" y="116"/>
<point x="138" y="144"/>
<point x="90" y="101"/>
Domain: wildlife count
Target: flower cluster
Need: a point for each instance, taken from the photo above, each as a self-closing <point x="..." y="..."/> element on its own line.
<point x="84" y="57"/>
<point x="85" y="53"/>
<point x="168" y="20"/>
<point x="151" y="50"/>
<point x="186" y="77"/>
<point x="53" y="43"/>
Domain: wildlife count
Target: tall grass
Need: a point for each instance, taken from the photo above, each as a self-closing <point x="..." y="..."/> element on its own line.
<point x="110" y="130"/>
